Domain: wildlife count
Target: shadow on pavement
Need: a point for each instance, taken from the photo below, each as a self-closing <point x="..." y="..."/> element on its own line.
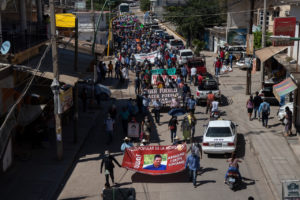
<point x="122" y="184"/>
<point x="76" y="198"/>
<point x="180" y="177"/>
<point x="240" y="146"/>
<point x="207" y="169"/>
<point x="199" y="183"/>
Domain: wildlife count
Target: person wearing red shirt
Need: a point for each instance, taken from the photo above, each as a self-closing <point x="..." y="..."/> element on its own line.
<point x="222" y="54"/>
<point x="200" y="79"/>
<point x="218" y="66"/>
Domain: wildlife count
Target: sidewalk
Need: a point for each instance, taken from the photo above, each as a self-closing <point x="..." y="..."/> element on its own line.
<point x="277" y="155"/>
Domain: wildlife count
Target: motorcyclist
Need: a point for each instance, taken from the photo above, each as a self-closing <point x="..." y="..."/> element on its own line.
<point x="233" y="165"/>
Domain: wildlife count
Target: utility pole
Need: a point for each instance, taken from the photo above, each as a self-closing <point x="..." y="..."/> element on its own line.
<point x="263" y="42"/>
<point x="248" y="84"/>
<point x="76" y="86"/>
<point x="55" y="84"/>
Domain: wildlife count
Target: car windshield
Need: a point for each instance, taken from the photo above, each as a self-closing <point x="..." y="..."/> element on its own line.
<point x="187" y="53"/>
<point x="177" y="42"/>
<point x="218" y="132"/>
<point x="208" y="85"/>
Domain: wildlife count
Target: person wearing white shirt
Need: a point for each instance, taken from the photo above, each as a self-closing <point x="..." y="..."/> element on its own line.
<point x="215" y="105"/>
<point x="193" y="74"/>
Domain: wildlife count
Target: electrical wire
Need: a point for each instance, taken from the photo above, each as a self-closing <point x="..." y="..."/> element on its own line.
<point x="20" y="98"/>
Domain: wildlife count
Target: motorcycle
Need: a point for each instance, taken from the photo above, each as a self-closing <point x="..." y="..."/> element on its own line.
<point x="214" y="115"/>
<point x="233" y="180"/>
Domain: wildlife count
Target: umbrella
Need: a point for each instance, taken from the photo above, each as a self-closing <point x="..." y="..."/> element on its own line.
<point x="176" y="112"/>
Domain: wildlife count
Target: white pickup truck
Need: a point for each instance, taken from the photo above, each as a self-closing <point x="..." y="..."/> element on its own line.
<point x="208" y="84"/>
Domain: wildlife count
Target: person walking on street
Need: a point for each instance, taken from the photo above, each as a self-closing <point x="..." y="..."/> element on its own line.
<point x="110" y="69"/>
<point x="192" y="121"/>
<point x="137" y="85"/>
<point x="250" y="106"/>
<point x="257" y="101"/>
<point x="126" y="144"/>
<point x="173" y="127"/>
<point x="193" y="163"/>
<point x="193" y="74"/>
<point x="184" y="73"/>
<point x="288" y="121"/>
<point x="109" y="128"/>
<point x="264" y="109"/>
<point x="210" y="99"/>
<point x="196" y="147"/>
<point x="191" y="104"/>
<point x="218" y="65"/>
<point x="157" y="106"/>
<point x="109" y="166"/>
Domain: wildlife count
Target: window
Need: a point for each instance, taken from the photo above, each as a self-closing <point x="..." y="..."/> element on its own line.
<point x="261" y="18"/>
<point x="218" y="132"/>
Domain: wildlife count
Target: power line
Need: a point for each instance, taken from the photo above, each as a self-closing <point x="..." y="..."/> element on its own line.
<point x="19" y="100"/>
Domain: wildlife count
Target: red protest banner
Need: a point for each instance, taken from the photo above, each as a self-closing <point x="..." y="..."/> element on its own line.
<point x="284" y="26"/>
<point x="155" y="160"/>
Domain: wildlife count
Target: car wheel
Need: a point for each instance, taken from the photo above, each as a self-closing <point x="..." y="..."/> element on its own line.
<point x="198" y="102"/>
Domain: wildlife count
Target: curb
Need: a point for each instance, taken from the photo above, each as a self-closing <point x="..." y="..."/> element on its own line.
<point x="265" y="171"/>
<point x="174" y="32"/>
<point x="295" y="155"/>
<point x="75" y="156"/>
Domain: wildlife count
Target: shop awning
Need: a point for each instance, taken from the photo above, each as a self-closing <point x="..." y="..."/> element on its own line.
<point x="284" y="88"/>
<point x="266" y="53"/>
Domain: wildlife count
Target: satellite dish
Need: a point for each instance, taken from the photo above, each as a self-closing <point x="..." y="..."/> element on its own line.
<point x="5" y="47"/>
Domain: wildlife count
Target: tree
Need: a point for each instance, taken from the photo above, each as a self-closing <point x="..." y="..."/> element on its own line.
<point x="192" y="19"/>
<point x="198" y="46"/>
<point x="257" y="39"/>
<point x="145" y="5"/>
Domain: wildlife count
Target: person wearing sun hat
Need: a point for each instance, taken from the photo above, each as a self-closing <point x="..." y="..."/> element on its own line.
<point x="126" y="144"/>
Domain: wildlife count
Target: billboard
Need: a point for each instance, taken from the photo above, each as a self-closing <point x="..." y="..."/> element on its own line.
<point x="284" y="26"/>
<point x="237" y="36"/>
<point x="155" y="160"/>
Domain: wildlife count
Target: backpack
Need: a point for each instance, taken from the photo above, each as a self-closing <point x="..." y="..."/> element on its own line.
<point x="265" y="108"/>
<point x="250" y="104"/>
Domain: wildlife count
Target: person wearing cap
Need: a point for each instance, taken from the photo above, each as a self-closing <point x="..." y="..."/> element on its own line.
<point x="193" y="163"/>
<point x="109" y="166"/>
<point x="143" y="143"/>
<point x="126" y="144"/>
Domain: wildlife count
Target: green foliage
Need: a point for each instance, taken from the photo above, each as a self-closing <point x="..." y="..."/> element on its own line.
<point x="193" y="18"/>
<point x="148" y="158"/>
<point x="258" y="37"/>
<point x="198" y="46"/>
<point x="144" y="5"/>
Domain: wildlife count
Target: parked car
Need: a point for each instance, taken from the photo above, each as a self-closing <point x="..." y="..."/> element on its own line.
<point x="220" y="137"/>
<point x="198" y="62"/>
<point x="168" y="37"/>
<point x="154" y="27"/>
<point x="159" y="32"/>
<point x="103" y="91"/>
<point x="175" y="44"/>
<point x="244" y="63"/>
<point x="184" y="55"/>
<point x="237" y="51"/>
<point x="281" y="111"/>
<point x="209" y="83"/>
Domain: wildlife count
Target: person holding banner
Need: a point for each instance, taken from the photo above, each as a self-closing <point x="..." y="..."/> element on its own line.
<point x="193" y="163"/>
<point x="107" y="161"/>
<point x="126" y="144"/>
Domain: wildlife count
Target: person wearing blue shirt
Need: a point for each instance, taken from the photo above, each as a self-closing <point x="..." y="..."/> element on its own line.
<point x="191" y="103"/>
<point x="156" y="164"/>
<point x="264" y="109"/>
<point x="193" y="162"/>
<point x="126" y="144"/>
<point x="184" y="72"/>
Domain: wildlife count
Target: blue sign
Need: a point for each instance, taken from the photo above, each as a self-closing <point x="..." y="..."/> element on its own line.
<point x="5" y="47"/>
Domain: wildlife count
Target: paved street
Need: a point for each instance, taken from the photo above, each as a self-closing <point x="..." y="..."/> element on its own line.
<point x="85" y="181"/>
